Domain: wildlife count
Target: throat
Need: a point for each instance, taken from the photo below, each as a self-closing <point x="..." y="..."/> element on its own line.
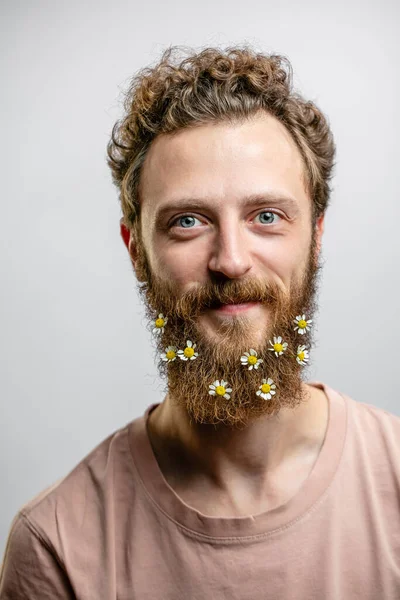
<point x="218" y="482"/>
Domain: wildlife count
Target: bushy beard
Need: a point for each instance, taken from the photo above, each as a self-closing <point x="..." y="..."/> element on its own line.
<point x="220" y="359"/>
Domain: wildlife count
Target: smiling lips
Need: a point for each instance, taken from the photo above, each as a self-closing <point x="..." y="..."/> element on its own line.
<point x="233" y="309"/>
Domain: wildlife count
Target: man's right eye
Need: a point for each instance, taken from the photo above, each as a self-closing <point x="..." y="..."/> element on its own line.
<point x="186" y="222"/>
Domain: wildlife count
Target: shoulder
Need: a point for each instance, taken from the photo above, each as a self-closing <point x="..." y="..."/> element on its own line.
<point x="372" y="434"/>
<point x="365" y="418"/>
<point x="75" y="505"/>
<point x="61" y="534"/>
<point x="373" y="443"/>
<point x="373" y="420"/>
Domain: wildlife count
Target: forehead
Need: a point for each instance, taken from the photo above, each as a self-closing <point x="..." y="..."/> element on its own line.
<point x="223" y="162"/>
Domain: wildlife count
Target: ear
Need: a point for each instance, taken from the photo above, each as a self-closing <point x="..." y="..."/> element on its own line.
<point x="319" y="230"/>
<point x="129" y="241"/>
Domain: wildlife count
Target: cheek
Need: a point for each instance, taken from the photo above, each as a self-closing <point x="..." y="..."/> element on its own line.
<point x="179" y="264"/>
<point x="283" y="258"/>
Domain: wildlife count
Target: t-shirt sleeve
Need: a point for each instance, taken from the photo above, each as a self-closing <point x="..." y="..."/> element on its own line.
<point x="31" y="569"/>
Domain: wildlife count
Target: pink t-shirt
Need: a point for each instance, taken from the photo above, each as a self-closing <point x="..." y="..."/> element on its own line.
<point x="114" y="529"/>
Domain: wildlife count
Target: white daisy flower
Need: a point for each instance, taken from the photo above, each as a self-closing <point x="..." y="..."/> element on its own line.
<point x="160" y="323"/>
<point x="266" y="389"/>
<point x="278" y="346"/>
<point x="302" y="355"/>
<point x="170" y="354"/>
<point x="250" y="360"/>
<point x="188" y="353"/>
<point x="220" y="388"/>
<point x="302" y="325"/>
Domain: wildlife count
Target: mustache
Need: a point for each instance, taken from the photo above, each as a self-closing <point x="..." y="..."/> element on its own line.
<point x="213" y="295"/>
<point x="189" y="304"/>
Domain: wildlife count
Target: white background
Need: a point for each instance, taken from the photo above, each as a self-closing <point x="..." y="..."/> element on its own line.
<point x="76" y="360"/>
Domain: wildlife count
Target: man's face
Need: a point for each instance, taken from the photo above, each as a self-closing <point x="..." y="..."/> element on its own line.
<point x="227" y="203"/>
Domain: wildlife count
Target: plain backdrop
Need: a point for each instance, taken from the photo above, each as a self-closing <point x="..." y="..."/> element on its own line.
<point x="76" y="360"/>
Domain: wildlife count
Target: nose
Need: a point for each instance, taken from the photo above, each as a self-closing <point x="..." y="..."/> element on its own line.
<point x="231" y="253"/>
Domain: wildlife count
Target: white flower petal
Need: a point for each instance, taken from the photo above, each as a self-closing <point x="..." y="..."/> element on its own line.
<point x="227" y="396"/>
<point x="212" y="393"/>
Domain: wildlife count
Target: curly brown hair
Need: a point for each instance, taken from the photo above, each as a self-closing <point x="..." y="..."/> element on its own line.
<point x="215" y="85"/>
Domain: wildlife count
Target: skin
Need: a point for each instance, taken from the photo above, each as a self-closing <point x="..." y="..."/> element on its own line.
<point x="230" y="178"/>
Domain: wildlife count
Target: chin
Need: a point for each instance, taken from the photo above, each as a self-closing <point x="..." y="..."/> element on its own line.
<point x="238" y="330"/>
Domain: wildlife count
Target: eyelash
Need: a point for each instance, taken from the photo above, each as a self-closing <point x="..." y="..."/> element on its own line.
<point x="177" y="219"/>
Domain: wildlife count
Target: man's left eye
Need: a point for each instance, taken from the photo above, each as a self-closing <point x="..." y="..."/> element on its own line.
<point x="267" y="217"/>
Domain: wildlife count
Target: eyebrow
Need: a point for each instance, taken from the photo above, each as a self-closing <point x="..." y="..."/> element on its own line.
<point x="278" y="200"/>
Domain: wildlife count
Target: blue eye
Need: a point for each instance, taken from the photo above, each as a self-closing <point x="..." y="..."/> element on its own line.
<point x="187" y="221"/>
<point x="266" y="217"/>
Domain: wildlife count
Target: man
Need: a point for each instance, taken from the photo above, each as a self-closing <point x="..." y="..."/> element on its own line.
<point x="245" y="481"/>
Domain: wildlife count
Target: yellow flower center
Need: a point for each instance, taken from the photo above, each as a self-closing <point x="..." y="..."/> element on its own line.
<point x="278" y="347"/>
<point x="252" y="360"/>
<point x="188" y="352"/>
<point x="301" y="355"/>
<point x="302" y="324"/>
<point x="220" y="390"/>
<point x="265" y="388"/>
<point x="170" y="354"/>
<point x="160" y="323"/>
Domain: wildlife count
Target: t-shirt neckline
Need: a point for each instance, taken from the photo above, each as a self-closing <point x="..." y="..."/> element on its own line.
<point x="161" y="494"/>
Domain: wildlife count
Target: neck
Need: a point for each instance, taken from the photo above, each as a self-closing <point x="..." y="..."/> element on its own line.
<point x="231" y="460"/>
